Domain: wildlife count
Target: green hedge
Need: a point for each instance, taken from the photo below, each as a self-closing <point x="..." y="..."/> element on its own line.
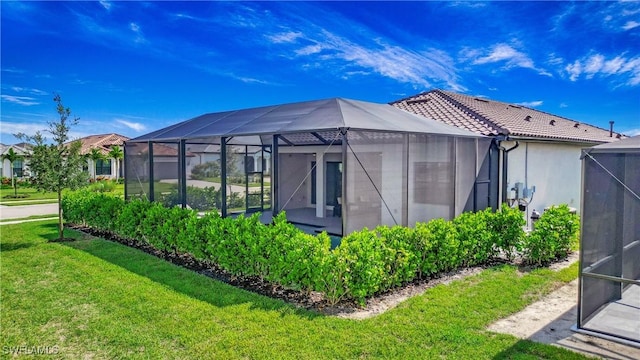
<point x="366" y="262"/>
<point x="553" y="235"/>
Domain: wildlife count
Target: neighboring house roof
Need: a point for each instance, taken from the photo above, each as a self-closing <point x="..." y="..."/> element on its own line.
<point x="631" y="144"/>
<point x="20" y="149"/>
<point x="103" y="142"/>
<point x="489" y="117"/>
<point x="311" y="117"/>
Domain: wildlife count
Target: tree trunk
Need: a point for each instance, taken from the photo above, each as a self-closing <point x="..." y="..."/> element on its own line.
<point x="60" y="224"/>
<point x="13" y="183"/>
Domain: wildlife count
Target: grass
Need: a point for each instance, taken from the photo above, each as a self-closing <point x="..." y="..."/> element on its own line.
<point x="94" y="298"/>
<point x="32" y="217"/>
<point x="39" y="197"/>
<point x="218" y="180"/>
<point x="32" y="193"/>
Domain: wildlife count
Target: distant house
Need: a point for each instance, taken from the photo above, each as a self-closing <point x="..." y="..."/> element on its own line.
<point x="106" y="167"/>
<point x="20" y="167"/>
<point x="539" y="162"/>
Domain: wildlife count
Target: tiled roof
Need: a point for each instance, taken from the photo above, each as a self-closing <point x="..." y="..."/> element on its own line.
<point x="103" y="142"/>
<point x="20" y="149"/>
<point x="489" y="117"/>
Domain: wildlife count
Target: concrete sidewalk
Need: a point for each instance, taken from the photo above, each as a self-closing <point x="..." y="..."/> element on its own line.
<point x="23" y="211"/>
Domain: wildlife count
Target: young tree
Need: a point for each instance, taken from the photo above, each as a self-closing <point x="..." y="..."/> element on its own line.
<point x="95" y="154"/>
<point x="12" y="156"/>
<point x="57" y="166"/>
<point x="117" y="154"/>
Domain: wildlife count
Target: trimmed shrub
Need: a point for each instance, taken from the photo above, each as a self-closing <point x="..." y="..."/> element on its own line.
<point x="507" y="228"/>
<point x="552" y="237"/>
<point x="96" y="210"/>
<point x="475" y="238"/>
<point x="400" y="261"/>
<point x="445" y="244"/>
<point x="129" y="224"/>
<point x="367" y="262"/>
<point x="202" y="199"/>
<point x="74" y="206"/>
<point x="363" y="255"/>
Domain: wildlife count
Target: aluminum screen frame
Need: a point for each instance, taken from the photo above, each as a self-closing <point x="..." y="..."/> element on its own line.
<point x="610" y="238"/>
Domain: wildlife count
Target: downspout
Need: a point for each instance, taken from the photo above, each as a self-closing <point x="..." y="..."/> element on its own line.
<point x="505" y="158"/>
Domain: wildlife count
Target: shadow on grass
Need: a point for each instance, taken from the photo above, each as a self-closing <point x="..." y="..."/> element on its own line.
<point x="182" y="280"/>
<point x="46" y="231"/>
<point x="6" y="247"/>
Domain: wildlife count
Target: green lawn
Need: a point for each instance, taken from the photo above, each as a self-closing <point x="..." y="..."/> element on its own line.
<point x="41" y="197"/>
<point x="32" y="217"/>
<point x="218" y="180"/>
<point x="32" y="193"/>
<point x="97" y="299"/>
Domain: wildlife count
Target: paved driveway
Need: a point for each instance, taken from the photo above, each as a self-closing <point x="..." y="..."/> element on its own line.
<point x="22" y="211"/>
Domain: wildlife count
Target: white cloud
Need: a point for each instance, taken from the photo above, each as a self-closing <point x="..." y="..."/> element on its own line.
<point x="626" y="69"/>
<point x="613" y="66"/>
<point x="632" y="132"/>
<point x="504" y="53"/>
<point x="309" y="50"/>
<point x="563" y="105"/>
<point x="11" y="128"/>
<point x="285" y="37"/>
<point x="468" y="4"/>
<point x="30" y="129"/>
<point x="555" y="60"/>
<point x="574" y="70"/>
<point x="136" y="30"/>
<point x="414" y="67"/>
<point x="13" y="70"/>
<point x="593" y="65"/>
<point x="105" y="4"/>
<point x="630" y="25"/>
<point x="468" y="53"/>
<point x="131" y="125"/>
<point x="250" y="80"/>
<point x="20" y="100"/>
<point x="531" y="103"/>
<point x="29" y="90"/>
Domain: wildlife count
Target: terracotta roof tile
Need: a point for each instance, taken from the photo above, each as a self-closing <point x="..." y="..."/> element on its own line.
<point x="103" y="142"/>
<point x="489" y="117"/>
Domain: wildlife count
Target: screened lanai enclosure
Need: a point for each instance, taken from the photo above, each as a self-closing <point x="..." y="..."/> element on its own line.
<point x="336" y="165"/>
<point x="609" y="293"/>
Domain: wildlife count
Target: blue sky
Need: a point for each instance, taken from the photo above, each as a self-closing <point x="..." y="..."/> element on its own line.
<point x="133" y="67"/>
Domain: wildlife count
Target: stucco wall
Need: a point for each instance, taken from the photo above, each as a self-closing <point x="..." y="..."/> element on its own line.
<point x="293" y="170"/>
<point x="553" y="168"/>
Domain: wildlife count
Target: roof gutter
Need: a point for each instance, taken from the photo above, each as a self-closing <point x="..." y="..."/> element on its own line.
<point x="505" y="158"/>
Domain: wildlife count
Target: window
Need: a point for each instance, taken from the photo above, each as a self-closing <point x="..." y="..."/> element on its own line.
<point x="103" y="167"/>
<point x="17" y="168"/>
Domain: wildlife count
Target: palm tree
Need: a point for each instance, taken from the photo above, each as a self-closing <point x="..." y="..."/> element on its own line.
<point x="12" y="156"/>
<point x="95" y="154"/>
<point x="117" y="154"/>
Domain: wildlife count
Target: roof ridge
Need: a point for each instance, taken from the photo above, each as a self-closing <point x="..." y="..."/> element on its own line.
<point x="540" y="111"/>
<point x="412" y="96"/>
<point x="470" y="111"/>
